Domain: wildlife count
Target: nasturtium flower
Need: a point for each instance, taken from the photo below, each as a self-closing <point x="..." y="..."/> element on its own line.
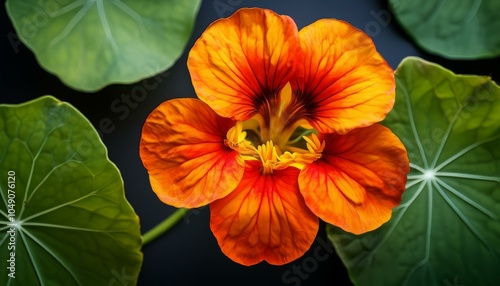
<point x="284" y="132"/>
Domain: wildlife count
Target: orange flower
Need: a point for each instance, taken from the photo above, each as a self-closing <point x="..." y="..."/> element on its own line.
<point x="284" y="132"/>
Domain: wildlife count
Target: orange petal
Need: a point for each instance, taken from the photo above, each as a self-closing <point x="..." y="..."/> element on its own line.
<point x="182" y="147"/>
<point x="239" y="61"/>
<point x="344" y="83"/>
<point x="265" y="218"/>
<point x="359" y="179"/>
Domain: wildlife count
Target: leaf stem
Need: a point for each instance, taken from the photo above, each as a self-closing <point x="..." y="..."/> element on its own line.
<point x="164" y="226"/>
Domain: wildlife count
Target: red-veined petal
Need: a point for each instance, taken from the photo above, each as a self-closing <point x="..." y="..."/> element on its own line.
<point x="265" y="218"/>
<point x="182" y="147"/>
<point x="343" y="83"/>
<point x="239" y="61"/>
<point x="359" y="179"/>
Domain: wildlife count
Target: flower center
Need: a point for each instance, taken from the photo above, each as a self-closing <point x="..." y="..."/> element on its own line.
<point x="276" y="136"/>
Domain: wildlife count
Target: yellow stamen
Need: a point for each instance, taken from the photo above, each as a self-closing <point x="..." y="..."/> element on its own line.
<point x="301" y="157"/>
<point x="314" y="145"/>
<point x="236" y="140"/>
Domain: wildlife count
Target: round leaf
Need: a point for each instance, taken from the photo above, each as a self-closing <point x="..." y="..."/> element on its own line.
<point x="89" y="44"/>
<point x="447" y="228"/>
<point x="452" y="29"/>
<point x="63" y="214"/>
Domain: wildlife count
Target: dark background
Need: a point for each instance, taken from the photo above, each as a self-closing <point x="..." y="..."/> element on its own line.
<point x="188" y="254"/>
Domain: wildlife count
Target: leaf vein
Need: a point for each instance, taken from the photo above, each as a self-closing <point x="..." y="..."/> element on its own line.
<point x="32" y="257"/>
<point x="428" y="234"/>
<point x="72" y="24"/>
<point x="445" y="138"/>
<point x="467" y="199"/>
<point x="463" y="152"/>
<point x="129" y="11"/>
<point x="404" y="208"/>
<point x="414" y="129"/>
<point x="464" y="219"/>
<point x="105" y="25"/>
<point x="56" y="257"/>
<point x="68" y="8"/>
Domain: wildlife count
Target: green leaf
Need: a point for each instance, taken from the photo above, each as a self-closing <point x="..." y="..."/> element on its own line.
<point x="72" y="223"/>
<point x="447" y="228"/>
<point x="452" y="29"/>
<point x="89" y="44"/>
